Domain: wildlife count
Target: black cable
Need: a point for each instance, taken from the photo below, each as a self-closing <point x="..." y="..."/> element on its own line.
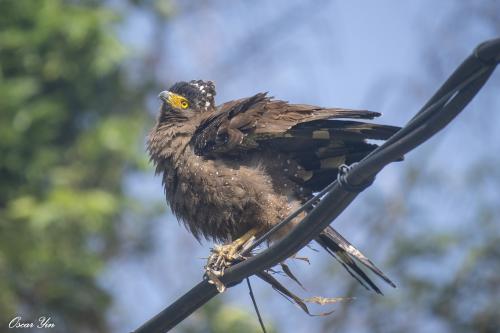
<point x="252" y="296"/>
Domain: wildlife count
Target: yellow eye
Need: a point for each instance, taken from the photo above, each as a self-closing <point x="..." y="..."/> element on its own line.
<point x="184" y="104"/>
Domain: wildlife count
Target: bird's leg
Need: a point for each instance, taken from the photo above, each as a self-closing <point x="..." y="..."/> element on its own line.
<point x="230" y="250"/>
<point x="223" y="256"/>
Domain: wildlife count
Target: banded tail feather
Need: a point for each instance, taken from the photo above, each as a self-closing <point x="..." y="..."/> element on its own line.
<point x="348" y="255"/>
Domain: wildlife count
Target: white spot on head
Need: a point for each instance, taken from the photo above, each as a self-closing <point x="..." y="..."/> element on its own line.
<point x="207" y="103"/>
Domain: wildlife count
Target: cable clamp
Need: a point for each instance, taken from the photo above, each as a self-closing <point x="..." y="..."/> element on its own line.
<point x="344" y="184"/>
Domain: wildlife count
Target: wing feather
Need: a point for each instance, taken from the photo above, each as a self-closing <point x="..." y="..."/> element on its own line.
<point x="319" y="139"/>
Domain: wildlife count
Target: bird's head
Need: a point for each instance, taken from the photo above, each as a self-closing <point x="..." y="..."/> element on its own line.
<point x="185" y="99"/>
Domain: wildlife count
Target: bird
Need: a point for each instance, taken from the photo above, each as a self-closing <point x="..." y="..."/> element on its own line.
<point x="233" y="171"/>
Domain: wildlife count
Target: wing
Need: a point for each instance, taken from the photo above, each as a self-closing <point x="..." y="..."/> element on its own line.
<point x="314" y="137"/>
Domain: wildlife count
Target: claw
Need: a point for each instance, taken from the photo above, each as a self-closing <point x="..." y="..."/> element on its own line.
<point x="214" y="279"/>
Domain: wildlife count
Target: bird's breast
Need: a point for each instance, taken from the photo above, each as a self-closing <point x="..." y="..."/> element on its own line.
<point x="220" y="199"/>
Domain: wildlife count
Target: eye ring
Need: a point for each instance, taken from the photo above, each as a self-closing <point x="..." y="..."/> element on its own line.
<point x="184" y="104"/>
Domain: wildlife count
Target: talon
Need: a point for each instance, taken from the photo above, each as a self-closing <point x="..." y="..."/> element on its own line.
<point x="213" y="279"/>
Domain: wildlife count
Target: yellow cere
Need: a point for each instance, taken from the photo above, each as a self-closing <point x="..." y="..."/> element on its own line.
<point x="177" y="101"/>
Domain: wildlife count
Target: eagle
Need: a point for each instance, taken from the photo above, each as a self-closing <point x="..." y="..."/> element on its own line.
<point x="231" y="172"/>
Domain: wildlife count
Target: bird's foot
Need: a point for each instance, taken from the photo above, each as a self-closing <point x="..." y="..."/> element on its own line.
<point x="223" y="256"/>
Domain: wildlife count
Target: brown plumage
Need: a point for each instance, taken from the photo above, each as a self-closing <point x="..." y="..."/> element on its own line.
<point x="250" y="162"/>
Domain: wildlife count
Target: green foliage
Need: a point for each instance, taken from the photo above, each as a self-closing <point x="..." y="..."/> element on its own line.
<point x="70" y="125"/>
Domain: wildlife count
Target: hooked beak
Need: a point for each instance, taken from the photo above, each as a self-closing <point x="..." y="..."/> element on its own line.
<point x="165" y="96"/>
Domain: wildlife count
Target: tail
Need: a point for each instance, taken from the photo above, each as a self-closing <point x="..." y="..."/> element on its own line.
<point x="345" y="253"/>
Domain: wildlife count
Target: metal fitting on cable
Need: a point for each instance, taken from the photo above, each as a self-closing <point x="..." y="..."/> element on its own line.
<point x="346" y="185"/>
